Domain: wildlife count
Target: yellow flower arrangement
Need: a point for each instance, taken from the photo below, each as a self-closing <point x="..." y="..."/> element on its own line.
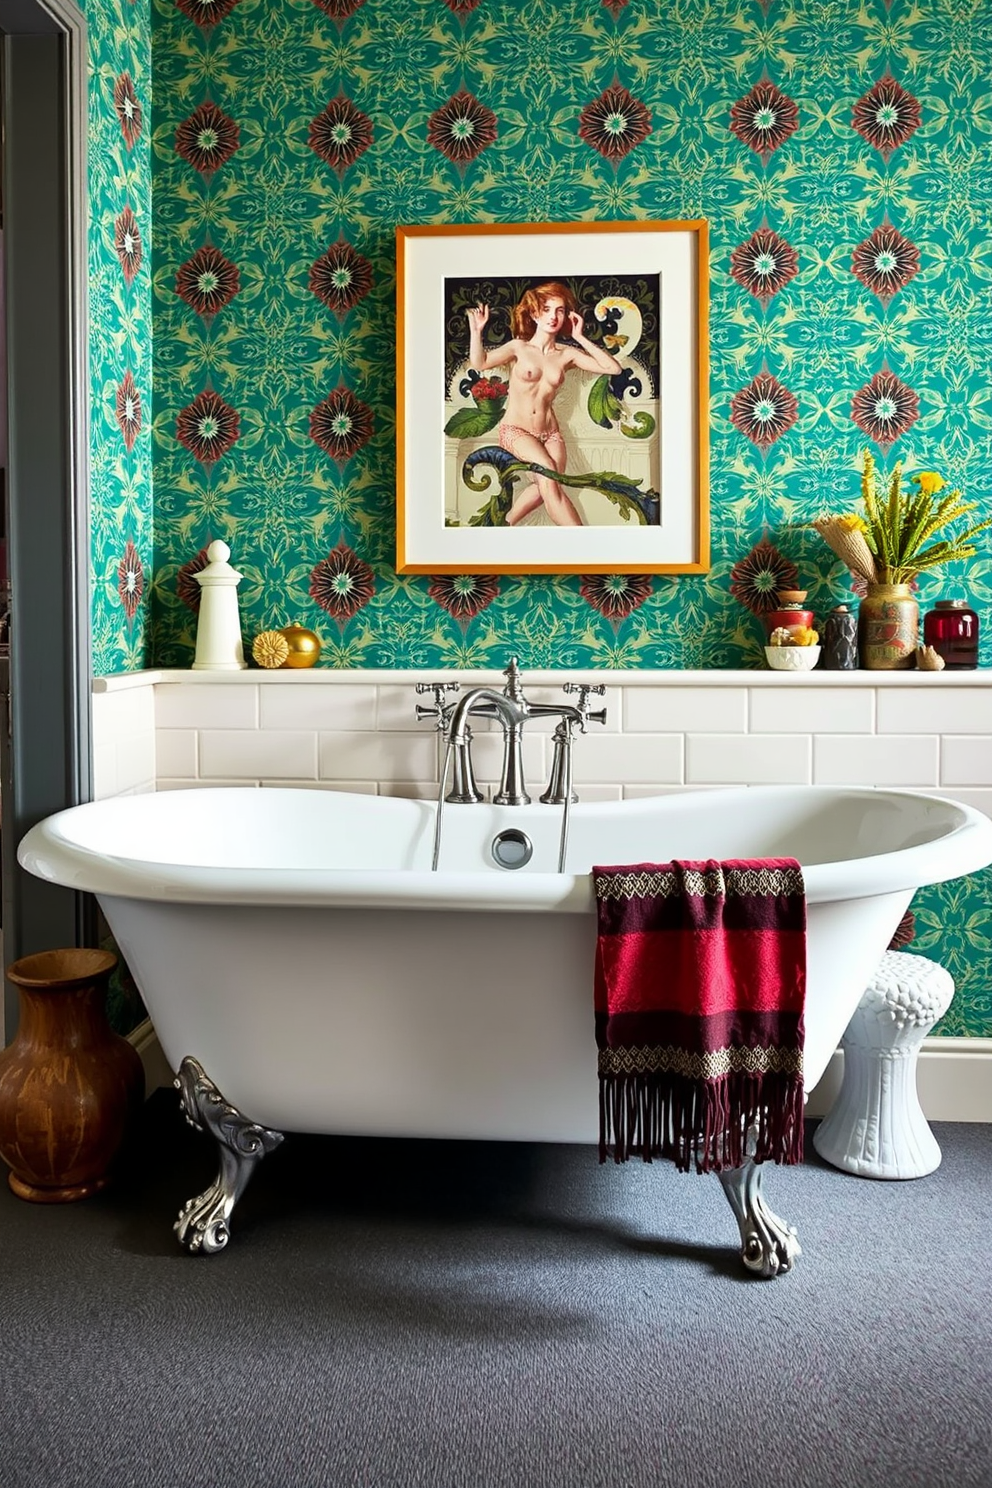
<point x="897" y="537"/>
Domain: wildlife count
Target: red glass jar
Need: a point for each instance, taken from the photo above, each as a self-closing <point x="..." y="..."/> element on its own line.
<point x="790" y="614"/>
<point x="951" y="628"/>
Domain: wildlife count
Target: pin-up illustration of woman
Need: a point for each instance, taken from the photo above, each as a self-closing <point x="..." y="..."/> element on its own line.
<point x="538" y="362"/>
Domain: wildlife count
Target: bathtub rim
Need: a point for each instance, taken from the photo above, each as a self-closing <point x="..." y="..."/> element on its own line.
<point x="49" y="851"/>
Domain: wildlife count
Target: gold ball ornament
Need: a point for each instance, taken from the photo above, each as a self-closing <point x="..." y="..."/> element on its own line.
<point x="304" y="646"/>
<point x="270" y="649"/>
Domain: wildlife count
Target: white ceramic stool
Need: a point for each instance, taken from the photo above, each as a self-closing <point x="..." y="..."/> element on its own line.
<point x="876" y="1127"/>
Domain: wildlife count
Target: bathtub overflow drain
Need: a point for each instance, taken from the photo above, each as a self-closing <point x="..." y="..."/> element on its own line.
<point x="512" y="849"/>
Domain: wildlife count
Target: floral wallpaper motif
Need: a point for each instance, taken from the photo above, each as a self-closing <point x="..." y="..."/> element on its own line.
<point x="839" y="153"/>
<point x="120" y="348"/>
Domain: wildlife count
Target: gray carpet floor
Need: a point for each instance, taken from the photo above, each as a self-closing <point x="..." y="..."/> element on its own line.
<point x="469" y="1315"/>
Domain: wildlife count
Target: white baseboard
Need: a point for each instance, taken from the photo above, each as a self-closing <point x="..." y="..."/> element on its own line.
<point x="953" y="1076"/>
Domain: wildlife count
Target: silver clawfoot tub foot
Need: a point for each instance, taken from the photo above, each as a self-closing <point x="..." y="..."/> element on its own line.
<point x="768" y="1245"/>
<point x="203" y="1222"/>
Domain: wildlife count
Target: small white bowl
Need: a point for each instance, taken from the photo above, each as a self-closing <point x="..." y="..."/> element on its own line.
<point x="792" y="658"/>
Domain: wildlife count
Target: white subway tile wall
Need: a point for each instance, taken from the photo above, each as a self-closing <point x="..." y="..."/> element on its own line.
<point x="204" y="706"/>
<point x="775" y="711"/>
<point x="255" y="756"/>
<point x="966" y="760"/>
<point x="177" y="755"/>
<point x="628" y="759"/>
<point x="669" y="710"/>
<point x="912" y="759"/>
<point x="375" y="756"/>
<point x="747" y="759"/>
<point x="318" y="708"/>
<point x="396" y="708"/>
<point x="359" y="731"/>
<point x="957" y="710"/>
<point x="123" y="742"/>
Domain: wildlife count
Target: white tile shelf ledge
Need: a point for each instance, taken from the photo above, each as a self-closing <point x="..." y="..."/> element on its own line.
<point x="545" y="677"/>
<point x="665" y="730"/>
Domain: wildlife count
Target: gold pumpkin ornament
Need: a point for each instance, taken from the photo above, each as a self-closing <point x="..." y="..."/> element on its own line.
<point x="270" y="649"/>
<point x="304" y="646"/>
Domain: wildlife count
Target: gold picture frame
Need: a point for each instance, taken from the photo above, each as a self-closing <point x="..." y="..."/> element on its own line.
<point x="580" y="441"/>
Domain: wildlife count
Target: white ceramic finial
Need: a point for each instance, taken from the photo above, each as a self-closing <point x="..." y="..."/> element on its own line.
<point x="218" y="630"/>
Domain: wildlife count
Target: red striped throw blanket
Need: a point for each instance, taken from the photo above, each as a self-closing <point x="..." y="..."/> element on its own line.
<point x="700" y="989"/>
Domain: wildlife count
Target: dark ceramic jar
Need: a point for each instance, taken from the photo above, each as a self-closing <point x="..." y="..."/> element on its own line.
<point x="951" y="628"/>
<point x="840" y="640"/>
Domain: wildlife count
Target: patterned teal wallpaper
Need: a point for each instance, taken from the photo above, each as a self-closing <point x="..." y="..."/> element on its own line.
<point x="841" y="152"/>
<point x="120" y="355"/>
<point x="120" y="311"/>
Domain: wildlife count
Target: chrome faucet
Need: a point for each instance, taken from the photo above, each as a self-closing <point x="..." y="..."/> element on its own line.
<point x="512" y="710"/>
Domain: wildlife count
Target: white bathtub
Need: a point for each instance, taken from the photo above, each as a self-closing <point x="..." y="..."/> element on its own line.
<point x="297" y="945"/>
<point x="305" y="970"/>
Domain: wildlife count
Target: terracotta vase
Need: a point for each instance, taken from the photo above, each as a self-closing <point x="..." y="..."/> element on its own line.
<point x="69" y="1085"/>
<point x="888" y="627"/>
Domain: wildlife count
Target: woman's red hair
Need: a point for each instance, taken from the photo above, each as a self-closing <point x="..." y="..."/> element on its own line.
<point x="523" y="316"/>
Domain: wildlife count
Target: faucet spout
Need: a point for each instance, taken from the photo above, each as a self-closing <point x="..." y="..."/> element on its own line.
<point x="486" y="702"/>
<point x="557" y="710"/>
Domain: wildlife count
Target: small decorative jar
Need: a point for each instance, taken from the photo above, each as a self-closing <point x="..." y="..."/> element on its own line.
<point x="951" y="628"/>
<point x="790" y="614"/>
<point x="840" y="640"/>
<point x="888" y="627"/>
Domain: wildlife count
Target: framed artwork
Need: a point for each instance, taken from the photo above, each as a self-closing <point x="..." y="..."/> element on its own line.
<point x="552" y="398"/>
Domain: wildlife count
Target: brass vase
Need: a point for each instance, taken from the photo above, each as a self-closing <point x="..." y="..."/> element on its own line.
<point x="888" y="627"/>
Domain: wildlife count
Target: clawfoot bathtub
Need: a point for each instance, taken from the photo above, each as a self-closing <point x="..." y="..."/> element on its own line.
<point x="306" y="971"/>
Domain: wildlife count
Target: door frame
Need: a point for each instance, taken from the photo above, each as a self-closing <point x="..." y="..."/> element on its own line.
<point x="48" y="729"/>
